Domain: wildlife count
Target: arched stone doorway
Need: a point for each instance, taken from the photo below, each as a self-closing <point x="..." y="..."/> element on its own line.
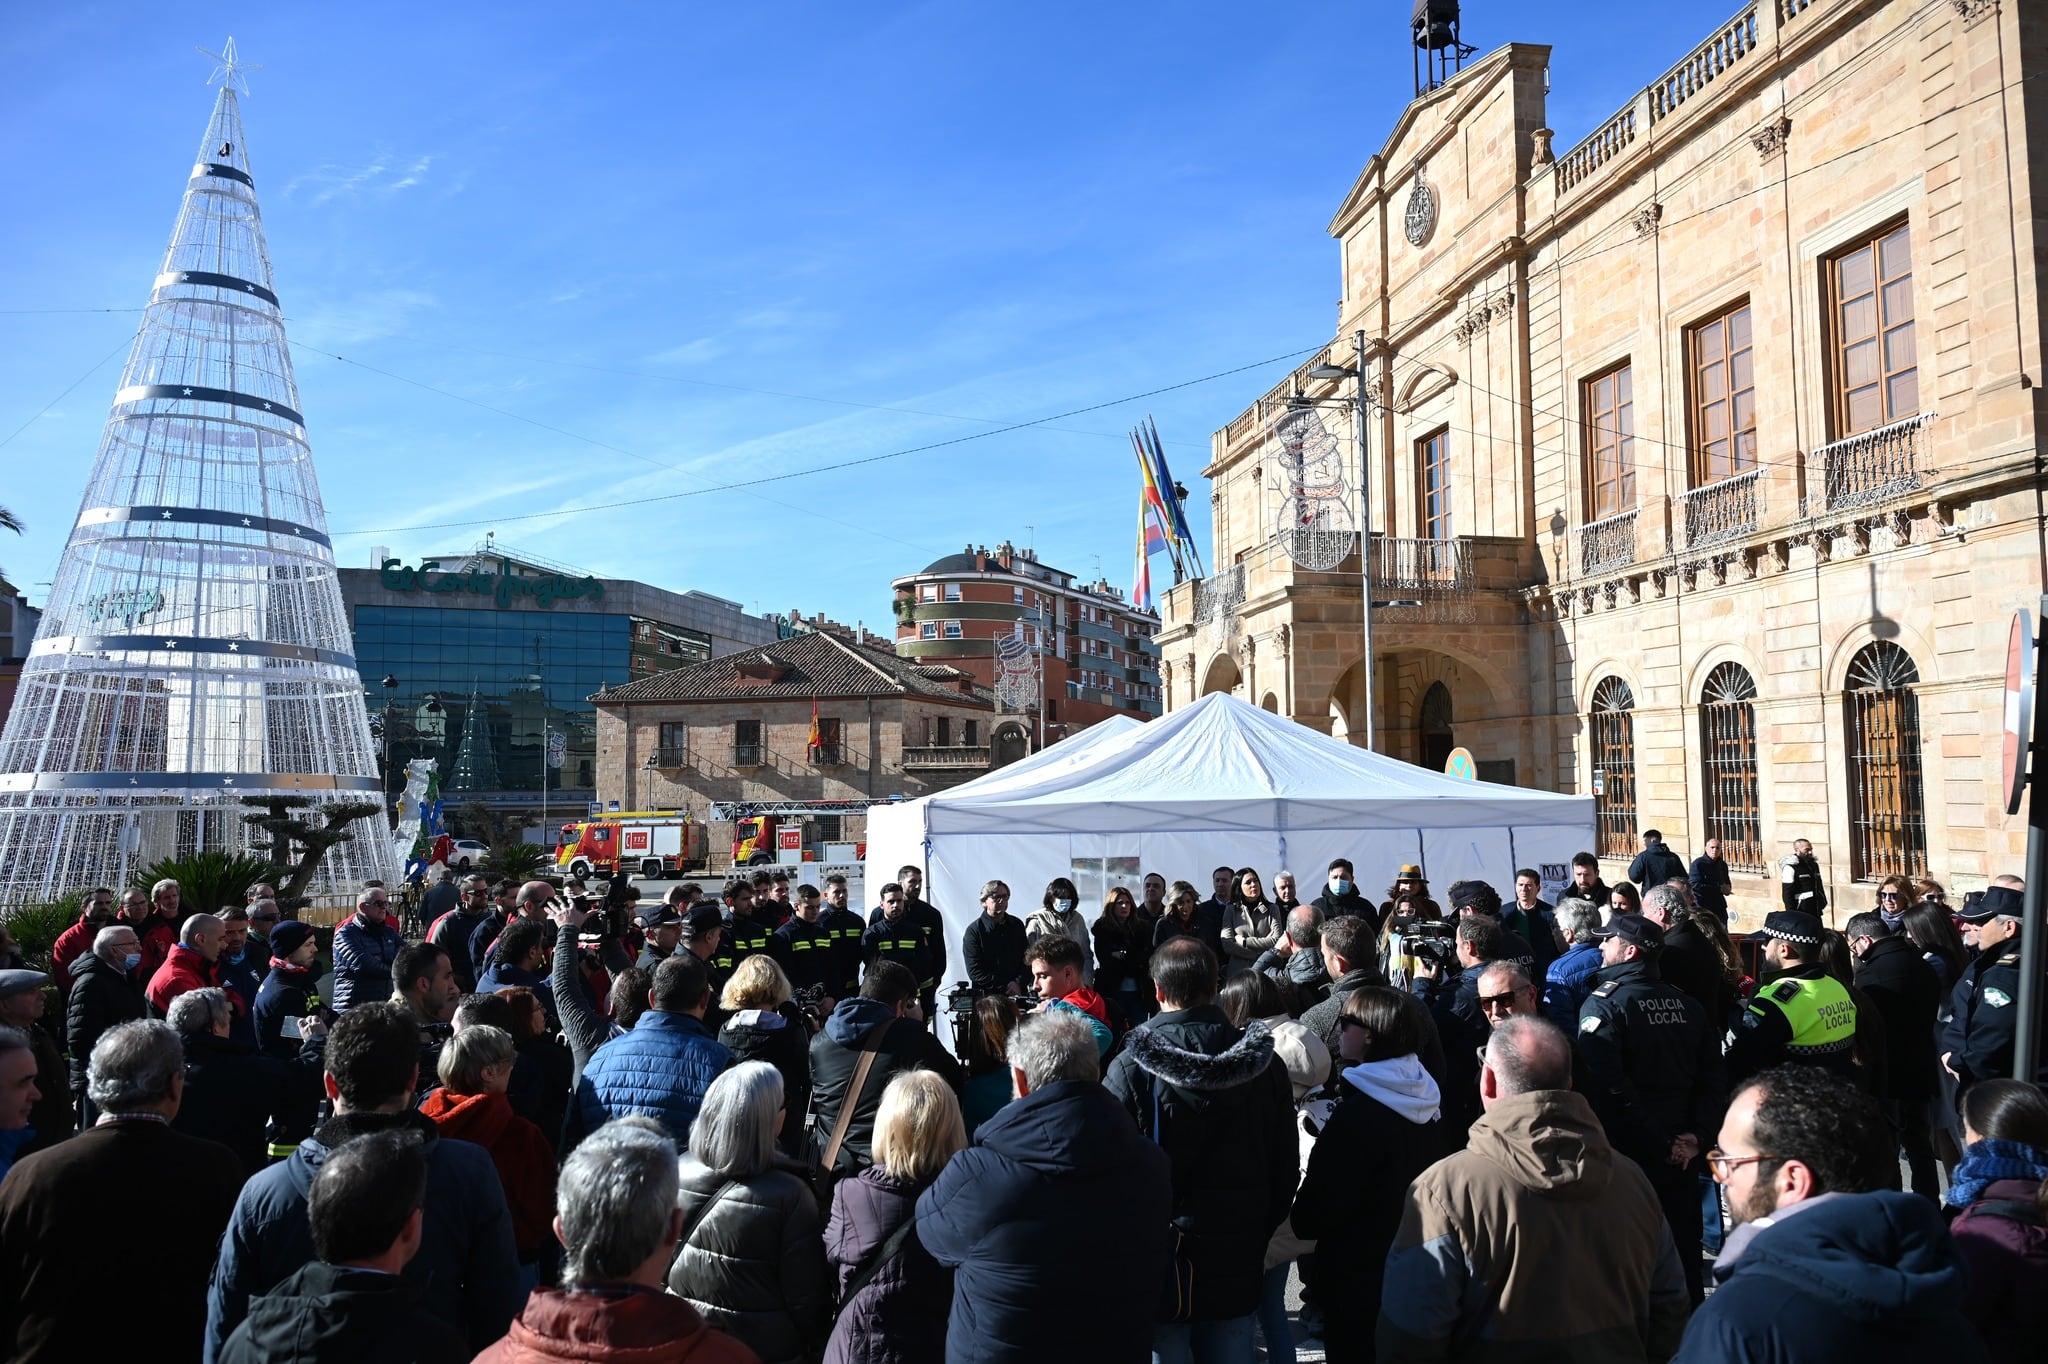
<point x="1271" y="703"/>
<point x="1435" y="740"/>
<point x="1011" y="743"/>
<point x="1222" y="675"/>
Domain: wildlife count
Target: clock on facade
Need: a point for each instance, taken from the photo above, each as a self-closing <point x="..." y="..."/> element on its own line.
<point x="1421" y="215"/>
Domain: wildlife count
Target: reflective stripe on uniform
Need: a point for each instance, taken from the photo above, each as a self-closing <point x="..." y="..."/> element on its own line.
<point x="1822" y="1017"/>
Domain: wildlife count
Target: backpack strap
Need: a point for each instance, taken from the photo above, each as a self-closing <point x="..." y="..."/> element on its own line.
<point x="690" y="1227"/>
<point x="879" y="1257"/>
<point x="850" y="1100"/>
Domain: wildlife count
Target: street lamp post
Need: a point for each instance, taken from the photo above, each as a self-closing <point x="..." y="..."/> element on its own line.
<point x="390" y="695"/>
<point x="1361" y="408"/>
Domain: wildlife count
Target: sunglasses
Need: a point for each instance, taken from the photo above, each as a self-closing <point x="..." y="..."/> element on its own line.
<point x="1488" y="1003"/>
<point x="1346" y="1021"/>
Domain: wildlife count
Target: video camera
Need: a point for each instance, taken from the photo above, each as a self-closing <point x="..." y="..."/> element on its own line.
<point x="1428" y="940"/>
<point x="960" y="1002"/>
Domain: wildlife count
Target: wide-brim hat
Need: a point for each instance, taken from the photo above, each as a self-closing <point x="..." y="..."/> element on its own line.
<point x="1795" y="925"/>
<point x="1409" y="872"/>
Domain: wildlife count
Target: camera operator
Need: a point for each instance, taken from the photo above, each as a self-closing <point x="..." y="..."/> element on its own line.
<point x="1451" y="990"/>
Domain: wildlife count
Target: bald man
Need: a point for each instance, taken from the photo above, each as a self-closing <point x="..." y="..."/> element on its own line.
<point x="193" y="964"/>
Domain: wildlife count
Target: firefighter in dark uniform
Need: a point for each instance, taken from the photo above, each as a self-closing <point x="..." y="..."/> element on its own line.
<point x="664" y="929"/>
<point x="1977" y="1044"/>
<point x="933" y="924"/>
<point x="704" y="937"/>
<point x="847" y="929"/>
<point x="745" y="936"/>
<point x="1654" y="1075"/>
<point x="807" y="951"/>
<point x="892" y="936"/>
<point x="1801" y="1013"/>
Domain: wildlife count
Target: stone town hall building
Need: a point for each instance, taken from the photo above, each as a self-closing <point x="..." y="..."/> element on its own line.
<point x="1704" y="454"/>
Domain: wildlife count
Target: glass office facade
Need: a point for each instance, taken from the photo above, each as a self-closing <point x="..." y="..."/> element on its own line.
<point x="518" y="674"/>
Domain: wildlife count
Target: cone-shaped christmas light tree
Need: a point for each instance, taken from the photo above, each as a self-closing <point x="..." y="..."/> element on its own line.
<point x="195" y="652"/>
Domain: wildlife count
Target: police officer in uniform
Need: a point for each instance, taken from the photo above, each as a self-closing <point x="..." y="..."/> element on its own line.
<point x="891" y="936"/>
<point x="1654" y="1075"/>
<point x="1801" y="1014"/>
<point x="847" y="929"/>
<point x="807" y="950"/>
<point x="744" y="934"/>
<point x="664" y="929"/>
<point x="1977" y="1044"/>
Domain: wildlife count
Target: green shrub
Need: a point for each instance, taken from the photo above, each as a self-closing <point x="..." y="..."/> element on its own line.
<point x="35" y="927"/>
<point x="208" y="881"/>
<point x="516" y="861"/>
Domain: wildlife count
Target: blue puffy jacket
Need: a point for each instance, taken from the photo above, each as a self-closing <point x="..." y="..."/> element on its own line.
<point x="363" y="956"/>
<point x="661" y="1068"/>
<point x="467" y="1269"/>
<point x="1871" y="1277"/>
<point x="1567" y="983"/>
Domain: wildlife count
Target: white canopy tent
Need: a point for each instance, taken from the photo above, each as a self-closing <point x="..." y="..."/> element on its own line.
<point x="1218" y="782"/>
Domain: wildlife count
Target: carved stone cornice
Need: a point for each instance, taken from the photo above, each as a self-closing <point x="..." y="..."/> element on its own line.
<point x="1770" y="139"/>
<point x="1494" y="307"/>
<point x="1974" y="12"/>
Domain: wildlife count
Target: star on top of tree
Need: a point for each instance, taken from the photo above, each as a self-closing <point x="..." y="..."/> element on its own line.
<point x="228" y="68"/>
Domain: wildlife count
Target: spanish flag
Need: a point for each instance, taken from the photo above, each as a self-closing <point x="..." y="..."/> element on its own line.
<point x="814" y="724"/>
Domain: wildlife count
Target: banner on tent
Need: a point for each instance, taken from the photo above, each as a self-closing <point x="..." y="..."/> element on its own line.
<point x="1096" y="877"/>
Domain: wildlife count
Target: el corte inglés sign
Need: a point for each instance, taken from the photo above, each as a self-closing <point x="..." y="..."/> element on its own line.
<point x="504" y="587"/>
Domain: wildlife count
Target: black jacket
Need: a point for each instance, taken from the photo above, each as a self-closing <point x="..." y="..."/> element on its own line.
<point x="904" y="943"/>
<point x="783" y="1040"/>
<point x="1351" y="903"/>
<point x="325" y="1314"/>
<point x="1220" y="1104"/>
<point x="808" y="954"/>
<point x="233" y="1090"/>
<point x="1906" y="993"/>
<point x="1691" y="962"/>
<point x="101" y="997"/>
<point x="1655" y="865"/>
<point x="1654" y="1067"/>
<point x="1350" y="1203"/>
<point x="1123" y="955"/>
<point x="1800" y="885"/>
<point x="835" y="1052"/>
<point x="753" y="1261"/>
<point x="921" y="915"/>
<point x="1710" y="885"/>
<point x="1322" y="1021"/>
<point x="994" y="950"/>
<point x="1979" y="1036"/>
<point x="1055" y="1224"/>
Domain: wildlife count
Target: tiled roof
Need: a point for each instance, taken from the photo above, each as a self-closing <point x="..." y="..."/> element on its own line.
<point x="818" y="665"/>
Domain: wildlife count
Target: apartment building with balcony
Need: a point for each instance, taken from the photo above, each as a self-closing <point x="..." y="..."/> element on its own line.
<point x="1706" y="450"/>
<point x="1098" y="655"/>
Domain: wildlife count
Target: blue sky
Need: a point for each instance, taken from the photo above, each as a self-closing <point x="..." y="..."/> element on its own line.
<point x="730" y="242"/>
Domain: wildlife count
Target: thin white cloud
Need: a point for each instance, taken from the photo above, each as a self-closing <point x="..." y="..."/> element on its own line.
<point x="382" y="175"/>
<point x="359" y="318"/>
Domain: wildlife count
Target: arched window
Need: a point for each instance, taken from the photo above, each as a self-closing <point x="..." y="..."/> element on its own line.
<point x="1613" y="732"/>
<point x="1886" y="805"/>
<point x="1728" y="752"/>
<point x="1436" y="727"/>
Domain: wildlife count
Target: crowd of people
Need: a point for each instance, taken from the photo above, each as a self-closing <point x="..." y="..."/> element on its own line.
<point x="563" y="1123"/>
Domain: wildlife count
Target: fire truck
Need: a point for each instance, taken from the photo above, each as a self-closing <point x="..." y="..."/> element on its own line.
<point x="762" y="831"/>
<point x="642" y="842"/>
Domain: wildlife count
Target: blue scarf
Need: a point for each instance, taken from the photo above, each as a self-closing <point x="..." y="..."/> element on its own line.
<point x="1985" y="1162"/>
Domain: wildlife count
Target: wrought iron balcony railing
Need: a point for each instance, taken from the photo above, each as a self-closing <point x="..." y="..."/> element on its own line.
<point x="946" y="755"/>
<point x="1868" y="468"/>
<point x="1722" y="512"/>
<point x="1608" y="543"/>
<point x="746" y="755"/>
<point x="671" y="757"/>
<point x="1412" y="566"/>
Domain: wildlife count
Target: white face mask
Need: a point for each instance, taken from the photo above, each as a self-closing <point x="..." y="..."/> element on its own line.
<point x="1062" y="906"/>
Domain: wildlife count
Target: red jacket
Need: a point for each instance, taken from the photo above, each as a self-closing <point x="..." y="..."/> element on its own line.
<point x="183" y="970"/>
<point x="159" y="935"/>
<point x="525" y="1161"/>
<point x="613" y="1326"/>
<point x="73" y="943"/>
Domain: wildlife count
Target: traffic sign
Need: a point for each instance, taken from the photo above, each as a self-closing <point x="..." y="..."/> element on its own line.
<point x="1461" y="766"/>
<point x="2019" y="707"/>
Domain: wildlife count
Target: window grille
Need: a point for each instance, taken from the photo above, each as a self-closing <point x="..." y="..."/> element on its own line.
<point x="1887" y="807"/>
<point x="1728" y="757"/>
<point x="1612" y="726"/>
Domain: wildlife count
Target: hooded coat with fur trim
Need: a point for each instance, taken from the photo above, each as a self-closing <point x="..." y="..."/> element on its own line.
<point x="1222" y="1108"/>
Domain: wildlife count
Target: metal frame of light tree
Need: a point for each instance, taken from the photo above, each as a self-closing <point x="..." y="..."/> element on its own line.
<point x="195" y="652"/>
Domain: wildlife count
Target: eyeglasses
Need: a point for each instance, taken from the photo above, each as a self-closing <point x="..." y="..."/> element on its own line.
<point x="262" y="918"/>
<point x="380" y="903"/>
<point x="1722" y="1166"/>
<point x="1488" y="1003"/>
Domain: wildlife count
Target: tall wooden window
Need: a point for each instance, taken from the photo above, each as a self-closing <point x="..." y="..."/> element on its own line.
<point x="1886" y="805"/>
<point x="746" y="743"/>
<point x="1876" y="367"/>
<point x="1723" y="397"/>
<point x="1612" y="727"/>
<point x="1610" y="409"/>
<point x="1728" y="753"/>
<point x="1433" y="456"/>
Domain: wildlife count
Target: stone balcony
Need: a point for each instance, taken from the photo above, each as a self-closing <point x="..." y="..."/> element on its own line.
<point x="939" y="756"/>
